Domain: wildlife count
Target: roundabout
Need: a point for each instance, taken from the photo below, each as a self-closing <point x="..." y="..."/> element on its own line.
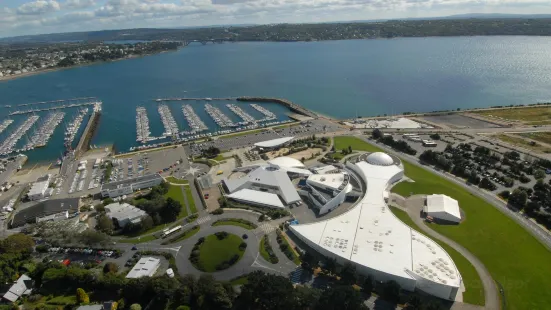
<point x="217" y="252"/>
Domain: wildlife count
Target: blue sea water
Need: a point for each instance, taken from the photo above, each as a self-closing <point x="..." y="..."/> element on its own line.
<point x="337" y="78"/>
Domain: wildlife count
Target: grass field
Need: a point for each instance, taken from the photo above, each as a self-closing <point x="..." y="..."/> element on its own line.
<point x="240" y="281"/>
<point x="474" y="292"/>
<point x="544" y="137"/>
<point x="177" y="181"/>
<point x="518" y="141"/>
<point x="531" y="116"/>
<point x="356" y="144"/>
<point x="175" y="192"/>
<point x="190" y="200"/>
<point x="214" y="251"/>
<point x="241" y="133"/>
<point x="514" y="257"/>
<point x="142" y="239"/>
<point x="263" y="251"/>
<point x="235" y="223"/>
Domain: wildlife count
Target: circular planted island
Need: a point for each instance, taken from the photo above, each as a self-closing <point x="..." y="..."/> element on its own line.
<point x="217" y="252"/>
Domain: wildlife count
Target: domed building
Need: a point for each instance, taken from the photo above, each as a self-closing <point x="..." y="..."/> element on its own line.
<point x="380" y="159"/>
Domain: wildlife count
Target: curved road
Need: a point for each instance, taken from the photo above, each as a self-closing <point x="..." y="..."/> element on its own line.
<point x="491" y="295"/>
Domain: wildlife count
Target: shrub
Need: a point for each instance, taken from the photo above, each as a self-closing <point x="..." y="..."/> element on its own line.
<point x="82" y="297"/>
<point x="218" y="211"/>
<point x="221" y="235"/>
<point x="243" y="246"/>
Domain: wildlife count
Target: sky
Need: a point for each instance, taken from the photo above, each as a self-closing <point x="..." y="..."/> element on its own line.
<point x="24" y="17"/>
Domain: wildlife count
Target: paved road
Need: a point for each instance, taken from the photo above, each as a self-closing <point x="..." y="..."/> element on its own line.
<point x="539" y="233"/>
<point x="414" y="206"/>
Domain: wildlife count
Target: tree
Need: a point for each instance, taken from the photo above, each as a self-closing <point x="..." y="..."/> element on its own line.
<point x="90" y="237"/>
<point x="183" y="308"/>
<point x="340" y="297"/>
<point x="487" y="184"/>
<point x="82" y="297"/>
<point x="539" y="174"/>
<point x="17" y="243"/>
<point x="518" y="198"/>
<point x="306" y="297"/>
<point x="367" y="287"/>
<point x="108" y="201"/>
<point x="348" y="274"/>
<point x="266" y="291"/>
<point x="376" y="134"/>
<point x="135" y="307"/>
<point x="105" y="224"/>
<point x="391" y="291"/>
<point x="435" y="136"/>
<point x="414" y="303"/>
<point x="171" y="210"/>
<point x="110" y="268"/>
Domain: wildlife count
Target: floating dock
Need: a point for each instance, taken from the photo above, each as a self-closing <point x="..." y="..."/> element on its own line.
<point x="246" y="117"/>
<point x="42" y="135"/>
<point x="268" y="115"/>
<point x="55" y="101"/>
<point x="195" y="123"/>
<point x="5" y="124"/>
<point x="142" y="125"/>
<point x="171" y="127"/>
<point x="219" y="118"/>
<point x="72" y="105"/>
<point x="89" y="130"/>
<point x="8" y="145"/>
<point x="72" y="130"/>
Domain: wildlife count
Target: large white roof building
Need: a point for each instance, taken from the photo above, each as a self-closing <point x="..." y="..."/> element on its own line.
<point x="443" y="207"/>
<point x="370" y="236"/>
<point x="145" y="267"/>
<point x="274" y="142"/>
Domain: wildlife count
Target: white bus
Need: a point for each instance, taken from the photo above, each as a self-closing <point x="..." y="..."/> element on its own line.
<point x="168" y="232"/>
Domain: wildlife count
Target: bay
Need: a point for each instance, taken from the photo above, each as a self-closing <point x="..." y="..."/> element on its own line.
<point x="336" y="78"/>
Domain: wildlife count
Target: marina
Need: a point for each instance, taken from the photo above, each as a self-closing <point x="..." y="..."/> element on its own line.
<point x="267" y="113"/>
<point x="219" y="118"/>
<point x="42" y="135"/>
<point x="142" y="125"/>
<point x="72" y="130"/>
<point x="8" y="146"/>
<point x="195" y="123"/>
<point x="171" y="127"/>
<point x="65" y="106"/>
<point x="246" y="117"/>
<point x="5" y="124"/>
<point x="54" y="101"/>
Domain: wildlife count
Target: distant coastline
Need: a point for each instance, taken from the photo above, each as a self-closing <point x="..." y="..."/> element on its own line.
<point x="48" y="70"/>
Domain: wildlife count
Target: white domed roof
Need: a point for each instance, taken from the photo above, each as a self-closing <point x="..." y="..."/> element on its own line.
<point x="380" y="159"/>
<point x="286" y="162"/>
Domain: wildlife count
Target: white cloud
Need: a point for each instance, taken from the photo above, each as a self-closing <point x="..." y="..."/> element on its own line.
<point x="38" y="7"/>
<point x="78" y="4"/>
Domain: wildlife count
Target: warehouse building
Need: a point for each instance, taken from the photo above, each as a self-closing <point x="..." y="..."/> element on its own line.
<point x="442" y="207"/>
<point x="126" y="187"/>
<point x="44" y="209"/>
<point x="122" y="214"/>
<point x="145" y="267"/>
<point x="376" y="242"/>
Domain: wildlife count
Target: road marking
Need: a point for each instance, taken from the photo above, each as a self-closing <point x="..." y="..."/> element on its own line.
<point x="265" y="228"/>
<point x="203" y="219"/>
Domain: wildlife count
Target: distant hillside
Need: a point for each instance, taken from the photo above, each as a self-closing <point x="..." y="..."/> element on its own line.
<point x="462" y="25"/>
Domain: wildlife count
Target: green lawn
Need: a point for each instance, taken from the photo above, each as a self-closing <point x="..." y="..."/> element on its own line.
<point x="214" y="251"/>
<point x="185" y="235"/>
<point x="514" y="257"/>
<point x="474" y="292"/>
<point x="358" y="145"/>
<point x="240" y="281"/>
<point x="175" y="192"/>
<point x="176" y="181"/>
<point x="242" y="223"/>
<point x="190" y="200"/>
<point x="142" y="239"/>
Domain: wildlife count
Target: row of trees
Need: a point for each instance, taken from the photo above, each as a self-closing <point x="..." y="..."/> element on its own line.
<point x="401" y="146"/>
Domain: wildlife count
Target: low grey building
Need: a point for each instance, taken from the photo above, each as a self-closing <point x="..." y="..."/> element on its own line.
<point x="43" y="209"/>
<point x="125" y="187"/>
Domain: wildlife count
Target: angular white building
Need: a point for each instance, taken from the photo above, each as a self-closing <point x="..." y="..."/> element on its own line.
<point x="443" y="208"/>
<point x="328" y="191"/>
<point x="372" y="238"/>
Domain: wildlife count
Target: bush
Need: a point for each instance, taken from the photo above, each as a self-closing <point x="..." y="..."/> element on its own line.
<point x="82" y="297"/>
<point x="110" y="268"/>
<point x="243" y="246"/>
<point x="218" y="211"/>
<point x="221" y="235"/>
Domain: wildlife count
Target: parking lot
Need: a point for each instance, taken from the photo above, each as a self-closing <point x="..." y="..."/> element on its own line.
<point x="225" y="144"/>
<point x="161" y="161"/>
<point x="458" y="121"/>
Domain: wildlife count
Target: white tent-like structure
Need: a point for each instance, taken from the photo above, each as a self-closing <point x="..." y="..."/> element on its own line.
<point x="273" y="143"/>
<point x="377" y="243"/>
<point x="442" y="207"/>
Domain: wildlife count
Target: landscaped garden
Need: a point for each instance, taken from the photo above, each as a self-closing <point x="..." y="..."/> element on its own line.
<point x="235" y="222"/>
<point x="175" y="192"/>
<point x="176" y="180"/>
<point x="190" y="200"/>
<point x="266" y="250"/>
<point x="285" y="247"/>
<point x="217" y="252"/>
<point x="515" y="258"/>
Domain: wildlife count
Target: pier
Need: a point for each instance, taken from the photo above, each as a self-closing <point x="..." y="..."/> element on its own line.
<point x="5" y="124"/>
<point x="55" y="101"/>
<point x="42" y="135"/>
<point x="195" y="123"/>
<point x="8" y="145"/>
<point x="72" y="130"/>
<point x="72" y="105"/>
<point x="219" y="118"/>
<point x="171" y="127"/>
<point x="142" y="125"/>
<point x="89" y="131"/>
<point x="195" y="99"/>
